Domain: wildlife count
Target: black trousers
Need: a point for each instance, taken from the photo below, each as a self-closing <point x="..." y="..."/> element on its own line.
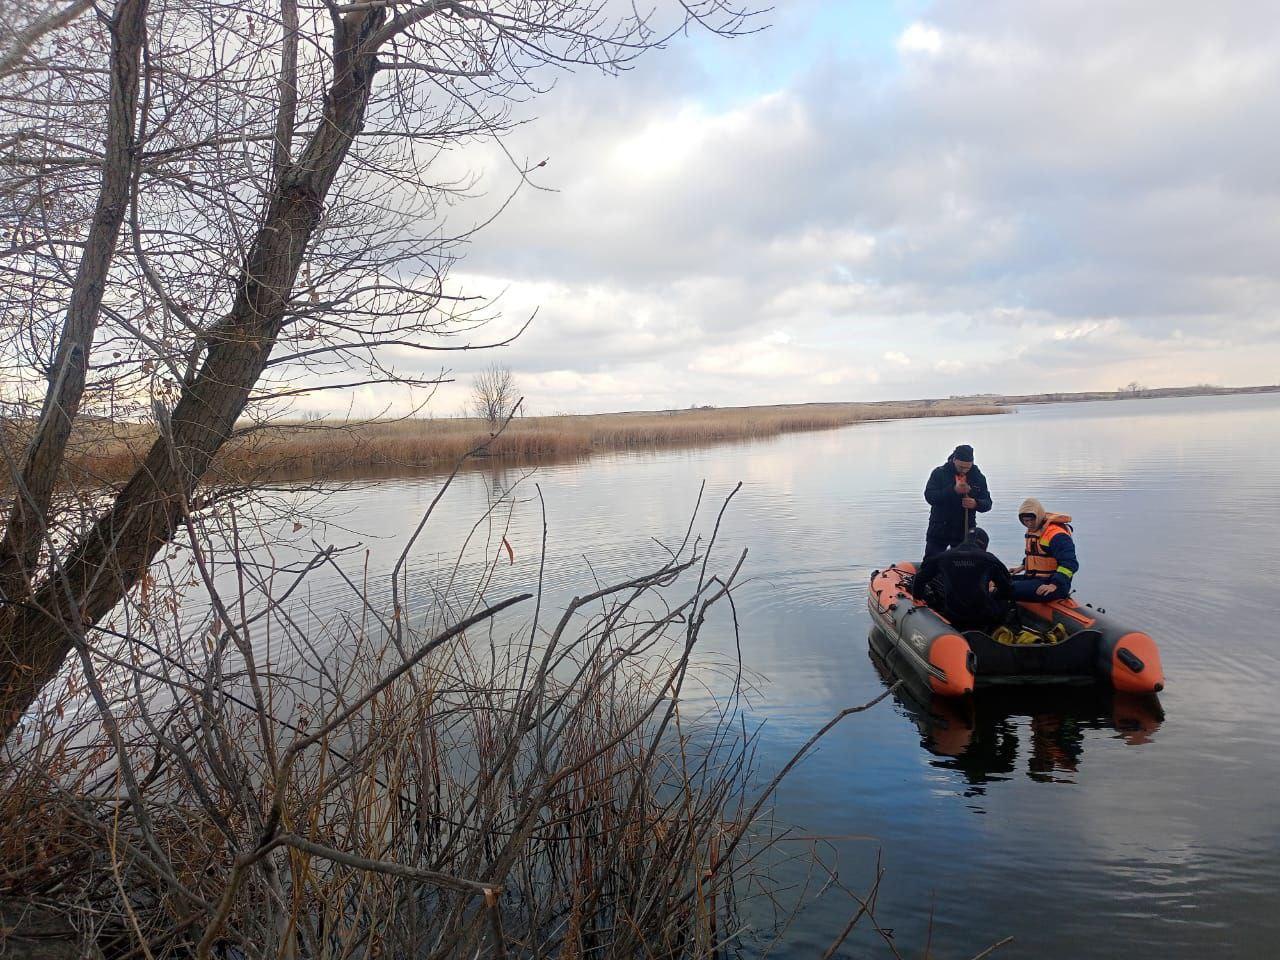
<point x="1024" y="588"/>
<point x="933" y="547"/>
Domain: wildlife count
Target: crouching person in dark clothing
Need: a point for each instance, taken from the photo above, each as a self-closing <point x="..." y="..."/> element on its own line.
<point x="966" y="584"/>
<point x="1051" y="562"/>
<point x="956" y="491"/>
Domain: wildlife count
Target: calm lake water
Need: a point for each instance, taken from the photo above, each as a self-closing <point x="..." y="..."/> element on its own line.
<point x="1079" y="826"/>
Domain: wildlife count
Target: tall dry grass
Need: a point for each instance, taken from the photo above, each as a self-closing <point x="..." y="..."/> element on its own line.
<point x="315" y="450"/>
<point x="479" y="777"/>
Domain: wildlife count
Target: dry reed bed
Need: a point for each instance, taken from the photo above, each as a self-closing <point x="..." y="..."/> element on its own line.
<point x="294" y="450"/>
<point x="468" y="779"/>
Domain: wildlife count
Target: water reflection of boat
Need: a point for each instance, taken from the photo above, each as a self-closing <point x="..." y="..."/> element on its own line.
<point x="1080" y="644"/>
<point x="980" y="735"/>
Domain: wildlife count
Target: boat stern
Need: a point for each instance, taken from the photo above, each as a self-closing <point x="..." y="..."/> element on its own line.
<point x="1134" y="665"/>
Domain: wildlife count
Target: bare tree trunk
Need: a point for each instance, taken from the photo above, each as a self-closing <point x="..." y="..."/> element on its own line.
<point x="194" y="146"/>
<point x="118" y="550"/>
<point x="26" y="529"/>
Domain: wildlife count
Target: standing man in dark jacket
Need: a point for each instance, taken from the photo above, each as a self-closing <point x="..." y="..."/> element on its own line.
<point x="955" y="491"/>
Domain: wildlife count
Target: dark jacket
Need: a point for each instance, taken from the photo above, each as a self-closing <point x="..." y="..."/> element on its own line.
<point x="959" y="582"/>
<point x="946" y="518"/>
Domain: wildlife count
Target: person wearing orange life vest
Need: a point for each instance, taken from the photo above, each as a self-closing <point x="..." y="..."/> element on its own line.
<point x="1050" y="563"/>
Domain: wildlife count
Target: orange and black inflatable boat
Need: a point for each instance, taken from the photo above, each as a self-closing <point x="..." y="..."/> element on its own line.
<point x="1090" y="647"/>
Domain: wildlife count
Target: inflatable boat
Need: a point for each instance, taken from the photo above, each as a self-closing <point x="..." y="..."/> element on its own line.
<point x="1070" y="643"/>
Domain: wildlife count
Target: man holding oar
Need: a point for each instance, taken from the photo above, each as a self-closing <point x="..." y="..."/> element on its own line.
<point x="955" y="491"/>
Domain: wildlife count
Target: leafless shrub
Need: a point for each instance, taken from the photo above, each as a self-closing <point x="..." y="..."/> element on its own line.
<point x="494" y="394"/>
<point x="470" y="777"/>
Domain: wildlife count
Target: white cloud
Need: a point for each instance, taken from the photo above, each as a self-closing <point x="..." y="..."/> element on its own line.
<point x="764" y="358"/>
<point x="920" y="38"/>
<point x="1077" y="331"/>
<point x="848" y="376"/>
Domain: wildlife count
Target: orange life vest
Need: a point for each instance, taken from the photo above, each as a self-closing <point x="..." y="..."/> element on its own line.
<point x="1039" y="562"/>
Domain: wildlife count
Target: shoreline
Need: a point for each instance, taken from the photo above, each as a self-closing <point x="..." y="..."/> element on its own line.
<point x="317" y="451"/>
<point x="351" y="451"/>
<point x="1142" y="393"/>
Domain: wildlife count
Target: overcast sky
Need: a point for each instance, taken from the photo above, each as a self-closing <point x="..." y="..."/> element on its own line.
<point x="897" y="198"/>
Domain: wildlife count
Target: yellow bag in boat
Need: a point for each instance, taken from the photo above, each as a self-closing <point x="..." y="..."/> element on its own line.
<point x="1002" y="635"/>
<point x="1027" y="637"/>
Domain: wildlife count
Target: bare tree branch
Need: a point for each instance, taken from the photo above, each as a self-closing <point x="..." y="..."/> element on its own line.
<point x="50" y="22"/>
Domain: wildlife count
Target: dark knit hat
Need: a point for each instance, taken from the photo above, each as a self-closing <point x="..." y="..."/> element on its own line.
<point x="979" y="536"/>
<point x="964" y="453"/>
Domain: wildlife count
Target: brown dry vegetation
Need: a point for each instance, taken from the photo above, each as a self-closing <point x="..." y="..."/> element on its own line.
<point x="310" y="450"/>
<point x="453" y="776"/>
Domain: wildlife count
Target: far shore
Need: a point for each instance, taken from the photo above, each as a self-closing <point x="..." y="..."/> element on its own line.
<point x="317" y="450"/>
<point x="1133" y="393"/>
<point x="322" y="449"/>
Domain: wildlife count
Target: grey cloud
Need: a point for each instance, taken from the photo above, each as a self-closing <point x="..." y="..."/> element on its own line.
<point x="1050" y="164"/>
